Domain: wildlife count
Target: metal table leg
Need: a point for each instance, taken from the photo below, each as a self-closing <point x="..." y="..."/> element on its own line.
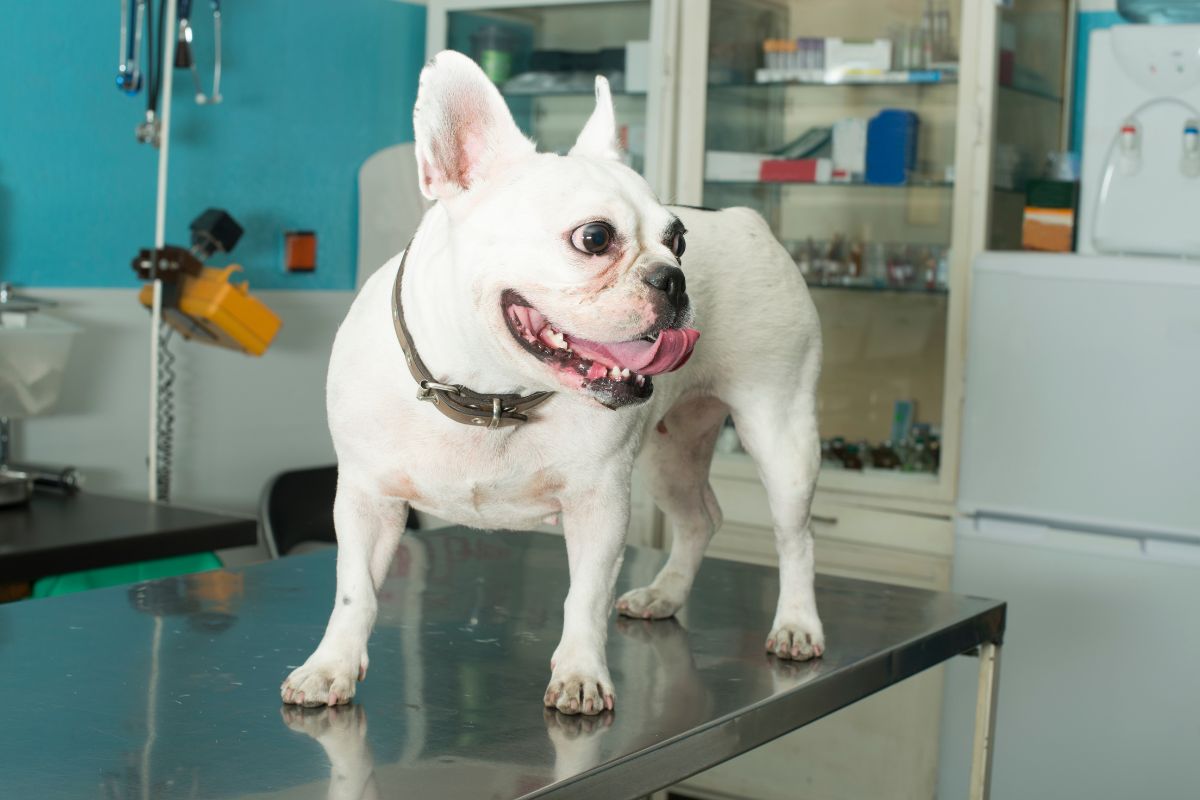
<point x="985" y="721"/>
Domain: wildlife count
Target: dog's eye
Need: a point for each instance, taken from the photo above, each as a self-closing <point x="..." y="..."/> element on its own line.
<point x="678" y="244"/>
<point x="594" y="238"/>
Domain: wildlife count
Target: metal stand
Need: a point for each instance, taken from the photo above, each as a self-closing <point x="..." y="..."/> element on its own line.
<point x="985" y="722"/>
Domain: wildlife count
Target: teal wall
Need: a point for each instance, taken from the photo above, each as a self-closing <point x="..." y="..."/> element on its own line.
<point x="310" y="89"/>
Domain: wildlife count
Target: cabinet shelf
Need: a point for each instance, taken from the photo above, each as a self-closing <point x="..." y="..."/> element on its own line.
<point x="920" y="79"/>
<point x="885" y="289"/>
<point x="740" y="465"/>
<point x="1037" y="94"/>
<point x="924" y="77"/>
<point x="832" y="184"/>
<point x="553" y="93"/>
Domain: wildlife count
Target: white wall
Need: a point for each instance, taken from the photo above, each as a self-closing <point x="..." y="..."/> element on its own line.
<point x="239" y="419"/>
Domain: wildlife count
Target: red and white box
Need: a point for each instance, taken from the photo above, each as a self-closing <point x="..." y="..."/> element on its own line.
<point x="797" y="170"/>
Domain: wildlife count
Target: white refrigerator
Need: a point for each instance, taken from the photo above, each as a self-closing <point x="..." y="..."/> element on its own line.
<point x="1079" y="504"/>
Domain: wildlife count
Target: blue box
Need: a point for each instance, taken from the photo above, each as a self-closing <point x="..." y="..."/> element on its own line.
<point x="891" y="146"/>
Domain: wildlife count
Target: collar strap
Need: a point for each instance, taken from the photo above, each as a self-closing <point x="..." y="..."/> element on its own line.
<point x="455" y="401"/>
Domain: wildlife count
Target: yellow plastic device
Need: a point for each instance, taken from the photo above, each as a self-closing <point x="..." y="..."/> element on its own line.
<point x="213" y="310"/>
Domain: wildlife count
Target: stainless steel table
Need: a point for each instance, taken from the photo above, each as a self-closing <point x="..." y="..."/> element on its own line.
<point x="170" y="689"/>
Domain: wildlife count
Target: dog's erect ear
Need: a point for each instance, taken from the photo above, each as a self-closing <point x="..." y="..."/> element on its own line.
<point x="598" y="138"/>
<point x="464" y="131"/>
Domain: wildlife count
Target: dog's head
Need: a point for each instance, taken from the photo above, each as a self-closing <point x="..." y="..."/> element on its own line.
<point x="572" y="262"/>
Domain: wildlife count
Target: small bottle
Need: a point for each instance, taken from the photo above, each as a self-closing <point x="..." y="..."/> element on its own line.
<point x="850" y="458"/>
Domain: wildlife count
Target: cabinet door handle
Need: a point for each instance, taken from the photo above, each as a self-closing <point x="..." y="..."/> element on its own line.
<point x="823" y="520"/>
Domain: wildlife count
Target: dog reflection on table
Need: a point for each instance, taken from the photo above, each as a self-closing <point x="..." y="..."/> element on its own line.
<point x="675" y="698"/>
<point x="342" y="733"/>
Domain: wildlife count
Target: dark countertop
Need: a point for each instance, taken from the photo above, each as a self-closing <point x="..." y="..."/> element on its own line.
<point x="59" y="533"/>
<point x="170" y="689"/>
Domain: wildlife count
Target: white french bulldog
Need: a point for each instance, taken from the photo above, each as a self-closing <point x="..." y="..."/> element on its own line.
<point x="539" y="272"/>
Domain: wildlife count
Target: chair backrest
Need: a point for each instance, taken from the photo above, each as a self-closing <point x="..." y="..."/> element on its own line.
<point x="297" y="507"/>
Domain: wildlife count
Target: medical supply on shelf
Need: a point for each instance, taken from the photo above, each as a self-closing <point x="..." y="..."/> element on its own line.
<point x="891" y="146"/>
<point x="857" y="56"/>
<point x="1049" y="217"/>
<point x="724" y="165"/>
<point x="493" y="47"/>
<point x="904" y="413"/>
<point x="844" y="262"/>
<point x="849" y="149"/>
<point x="919" y="451"/>
<point x="797" y="170"/>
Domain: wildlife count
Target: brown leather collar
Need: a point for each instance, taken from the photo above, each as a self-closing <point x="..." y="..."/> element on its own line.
<point x="455" y="401"/>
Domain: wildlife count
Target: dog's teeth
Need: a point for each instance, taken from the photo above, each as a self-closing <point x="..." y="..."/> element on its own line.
<point x="559" y="340"/>
<point x="641" y="380"/>
<point x="615" y="374"/>
<point x="624" y="374"/>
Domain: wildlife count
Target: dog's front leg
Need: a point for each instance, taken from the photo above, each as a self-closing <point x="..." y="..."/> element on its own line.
<point x="595" y="527"/>
<point x="368" y="532"/>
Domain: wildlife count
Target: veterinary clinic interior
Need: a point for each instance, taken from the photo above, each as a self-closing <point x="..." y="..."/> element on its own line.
<point x="977" y="217"/>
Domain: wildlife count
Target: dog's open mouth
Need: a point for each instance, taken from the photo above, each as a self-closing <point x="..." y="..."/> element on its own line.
<point x="615" y="373"/>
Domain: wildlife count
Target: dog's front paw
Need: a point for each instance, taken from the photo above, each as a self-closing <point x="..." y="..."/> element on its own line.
<point x="649" y="603"/>
<point x="322" y="681"/>
<point x="797" y="641"/>
<point x="579" y="691"/>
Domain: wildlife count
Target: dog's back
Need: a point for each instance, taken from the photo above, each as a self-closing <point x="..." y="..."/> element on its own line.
<point x="760" y="328"/>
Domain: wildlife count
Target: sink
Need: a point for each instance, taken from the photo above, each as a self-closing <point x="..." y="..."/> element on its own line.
<point x="33" y="356"/>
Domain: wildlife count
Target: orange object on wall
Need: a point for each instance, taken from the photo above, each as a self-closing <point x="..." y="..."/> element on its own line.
<point x="300" y="251"/>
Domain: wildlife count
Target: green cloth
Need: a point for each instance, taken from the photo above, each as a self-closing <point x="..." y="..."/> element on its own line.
<point x="122" y="574"/>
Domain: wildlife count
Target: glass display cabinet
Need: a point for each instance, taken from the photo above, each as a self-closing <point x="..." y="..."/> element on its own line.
<point x="544" y="58"/>
<point x="860" y="131"/>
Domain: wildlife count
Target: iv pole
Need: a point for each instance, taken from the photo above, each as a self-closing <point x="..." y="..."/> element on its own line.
<point x="160" y="224"/>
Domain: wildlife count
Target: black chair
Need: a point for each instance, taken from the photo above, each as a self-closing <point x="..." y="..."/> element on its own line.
<point x="297" y="509"/>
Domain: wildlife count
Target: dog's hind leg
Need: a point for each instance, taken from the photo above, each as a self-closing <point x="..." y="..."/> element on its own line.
<point x="675" y="459"/>
<point x="779" y="430"/>
<point x="368" y="527"/>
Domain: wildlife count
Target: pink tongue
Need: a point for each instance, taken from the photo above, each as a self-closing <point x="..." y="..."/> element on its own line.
<point x="669" y="351"/>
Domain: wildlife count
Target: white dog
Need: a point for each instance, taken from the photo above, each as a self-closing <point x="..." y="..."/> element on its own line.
<point x="555" y="282"/>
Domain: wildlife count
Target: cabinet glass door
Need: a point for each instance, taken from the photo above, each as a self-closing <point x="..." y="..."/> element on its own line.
<point x="836" y="120"/>
<point x="1031" y="124"/>
<point x="544" y="58"/>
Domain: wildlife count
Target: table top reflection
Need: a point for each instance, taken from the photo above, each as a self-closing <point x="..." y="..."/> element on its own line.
<point x="170" y="689"/>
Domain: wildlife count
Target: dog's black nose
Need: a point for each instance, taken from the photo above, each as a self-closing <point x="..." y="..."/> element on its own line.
<point x="669" y="279"/>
